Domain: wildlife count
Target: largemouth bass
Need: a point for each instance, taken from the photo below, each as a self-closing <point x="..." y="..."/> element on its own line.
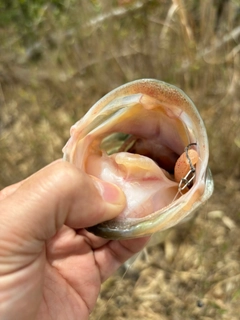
<point x="148" y="138"/>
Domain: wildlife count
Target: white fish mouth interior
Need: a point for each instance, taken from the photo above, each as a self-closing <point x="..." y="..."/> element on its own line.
<point x="141" y="163"/>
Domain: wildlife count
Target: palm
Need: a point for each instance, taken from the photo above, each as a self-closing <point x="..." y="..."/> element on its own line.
<point x="72" y="278"/>
<point x="76" y="266"/>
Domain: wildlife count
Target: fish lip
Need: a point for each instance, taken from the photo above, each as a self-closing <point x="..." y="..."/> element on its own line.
<point x="115" y="230"/>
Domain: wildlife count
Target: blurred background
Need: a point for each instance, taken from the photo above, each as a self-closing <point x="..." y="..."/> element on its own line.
<point x="58" y="57"/>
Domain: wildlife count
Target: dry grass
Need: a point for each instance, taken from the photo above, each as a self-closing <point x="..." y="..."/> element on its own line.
<point x="49" y="79"/>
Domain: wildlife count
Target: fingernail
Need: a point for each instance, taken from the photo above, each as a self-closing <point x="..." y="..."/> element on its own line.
<point x="110" y="192"/>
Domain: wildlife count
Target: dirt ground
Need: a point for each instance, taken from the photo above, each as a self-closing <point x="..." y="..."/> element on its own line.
<point x="53" y="68"/>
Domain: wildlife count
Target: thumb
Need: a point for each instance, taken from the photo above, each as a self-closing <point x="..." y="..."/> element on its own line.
<point x="56" y="195"/>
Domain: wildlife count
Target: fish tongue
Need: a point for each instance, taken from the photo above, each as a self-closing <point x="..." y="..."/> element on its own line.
<point x="138" y="167"/>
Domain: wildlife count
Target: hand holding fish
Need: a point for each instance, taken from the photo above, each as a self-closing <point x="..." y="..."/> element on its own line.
<point x="51" y="267"/>
<point x="138" y="164"/>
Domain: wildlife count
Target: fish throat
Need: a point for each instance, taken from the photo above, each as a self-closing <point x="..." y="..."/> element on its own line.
<point x="164" y="157"/>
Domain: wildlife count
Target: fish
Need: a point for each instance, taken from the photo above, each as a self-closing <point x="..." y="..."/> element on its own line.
<point x="148" y="138"/>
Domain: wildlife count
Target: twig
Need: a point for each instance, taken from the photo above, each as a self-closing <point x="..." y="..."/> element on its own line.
<point x="232" y="35"/>
<point x="116" y="12"/>
<point x="166" y="23"/>
<point x="184" y="20"/>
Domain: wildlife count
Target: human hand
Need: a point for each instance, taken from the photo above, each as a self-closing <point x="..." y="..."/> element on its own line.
<point x="50" y="266"/>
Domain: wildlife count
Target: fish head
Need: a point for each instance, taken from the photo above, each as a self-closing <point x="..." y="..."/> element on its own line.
<point x="148" y="138"/>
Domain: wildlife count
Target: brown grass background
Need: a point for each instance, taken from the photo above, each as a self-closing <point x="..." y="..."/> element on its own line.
<point x="58" y="58"/>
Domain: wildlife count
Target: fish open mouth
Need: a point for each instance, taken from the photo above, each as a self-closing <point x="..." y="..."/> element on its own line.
<point x="152" y="143"/>
<point x="136" y="144"/>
